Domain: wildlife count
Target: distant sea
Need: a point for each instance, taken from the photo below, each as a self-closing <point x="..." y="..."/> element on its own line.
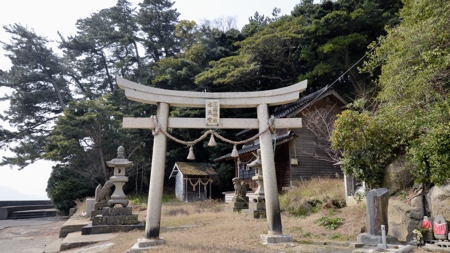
<point x="8" y="193"/>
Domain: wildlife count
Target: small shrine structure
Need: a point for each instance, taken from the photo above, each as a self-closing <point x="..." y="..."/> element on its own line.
<point x="193" y="180"/>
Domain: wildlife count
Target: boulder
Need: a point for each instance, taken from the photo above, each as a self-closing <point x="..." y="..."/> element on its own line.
<point x="397" y="176"/>
<point x="404" y="218"/>
<point x="440" y="200"/>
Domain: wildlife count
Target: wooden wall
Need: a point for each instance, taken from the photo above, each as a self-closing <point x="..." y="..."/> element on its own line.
<point x="308" y="166"/>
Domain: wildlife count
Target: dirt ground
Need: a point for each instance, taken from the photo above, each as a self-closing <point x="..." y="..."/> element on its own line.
<point x="215" y="229"/>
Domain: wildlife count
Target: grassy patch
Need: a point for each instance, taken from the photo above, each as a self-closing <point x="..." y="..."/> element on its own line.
<point x="330" y="223"/>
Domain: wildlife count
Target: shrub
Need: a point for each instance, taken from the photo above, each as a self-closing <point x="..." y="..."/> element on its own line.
<point x="330" y="223"/>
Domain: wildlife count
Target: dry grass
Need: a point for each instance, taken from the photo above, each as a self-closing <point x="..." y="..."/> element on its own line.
<point x="319" y="188"/>
<point x="217" y="229"/>
<point x="225" y="231"/>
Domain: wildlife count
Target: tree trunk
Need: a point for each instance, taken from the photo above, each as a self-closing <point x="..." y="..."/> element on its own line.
<point x="102" y="160"/>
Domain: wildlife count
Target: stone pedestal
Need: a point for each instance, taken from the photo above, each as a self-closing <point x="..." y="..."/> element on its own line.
<point x="239" y="203"/>
<point x="270" y="239"/>
<point x="112" y="220"/>
<point x="144" y="244"/>
<point x="374" y="240"/>
<point x="257" y="210"/>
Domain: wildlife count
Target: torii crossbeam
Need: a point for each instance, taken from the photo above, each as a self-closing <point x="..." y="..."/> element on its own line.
<point x="212" y="102"/>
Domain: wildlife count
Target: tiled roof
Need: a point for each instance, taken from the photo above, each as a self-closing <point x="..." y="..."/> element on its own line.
<point x="252" y="148"/>
<point x="300" y="104"/>
<point x="304" y="101"/>
<point x="196" y="169"/>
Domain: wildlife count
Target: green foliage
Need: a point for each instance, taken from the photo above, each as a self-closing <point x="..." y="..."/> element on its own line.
<point x="65" y="186"/>
<point x="430" y="155"/>
<point x="339" y="237"/>
<point x="137" y="199"/>
<point x="330" y="223"/>
<point x="412" y="113"/>
<point x="284" y="201"/>
<point x="367" y="145"/>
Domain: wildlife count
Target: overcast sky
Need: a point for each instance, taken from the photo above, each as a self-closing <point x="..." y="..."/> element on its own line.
<point x="47" y="17"/>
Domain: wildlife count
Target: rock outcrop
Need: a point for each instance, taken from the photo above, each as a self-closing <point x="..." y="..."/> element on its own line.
<point x="397" y="176"/>
<point x="404" y="218"/>
<point x="440" y="200"/>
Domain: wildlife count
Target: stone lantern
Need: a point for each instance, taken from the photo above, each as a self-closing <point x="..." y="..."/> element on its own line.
<point x="258" y="177"/>
<point x="257" y="207"/>
<point x="119" y="179"/>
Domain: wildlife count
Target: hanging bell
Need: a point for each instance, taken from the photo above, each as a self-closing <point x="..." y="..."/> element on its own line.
<point x="257" y="162"/>
<point x="212" y="141"/>
<point x="234" y="153"/>
<point x="191" y="155"/>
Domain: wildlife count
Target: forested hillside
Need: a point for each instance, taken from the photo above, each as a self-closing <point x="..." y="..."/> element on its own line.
<point x="67" y="107"/>
<point x="409" y="113"/>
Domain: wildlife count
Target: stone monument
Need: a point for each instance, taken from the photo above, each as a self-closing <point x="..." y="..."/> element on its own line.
<point x="113" y="219"/>
<point x="377" y="201"/>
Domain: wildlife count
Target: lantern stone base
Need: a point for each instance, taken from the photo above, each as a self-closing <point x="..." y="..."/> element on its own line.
<point x="113" y="220"/>
<point x="257" y="210"/>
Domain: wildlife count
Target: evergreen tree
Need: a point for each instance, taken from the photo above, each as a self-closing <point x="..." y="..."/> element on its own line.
<point x="158" y="21"/>
<point x="40" y="91"/>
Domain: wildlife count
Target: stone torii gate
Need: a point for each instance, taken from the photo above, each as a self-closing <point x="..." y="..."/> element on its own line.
<point x="212" y="102"/>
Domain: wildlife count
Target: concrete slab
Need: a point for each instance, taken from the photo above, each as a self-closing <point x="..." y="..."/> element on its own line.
<point x="75" y="240"/>
<point x="92" y="248"/>
<point x="53" y="247"/>
<point x="73" y="225"/>
<point x="390" y="248"/>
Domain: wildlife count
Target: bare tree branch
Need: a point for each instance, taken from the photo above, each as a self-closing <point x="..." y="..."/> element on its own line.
<point x="320" y="122"/>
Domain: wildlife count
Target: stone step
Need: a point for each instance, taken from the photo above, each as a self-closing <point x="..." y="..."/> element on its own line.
<point x="101" y="229"/>
<point x="5" y="211"/>
<point x="27" y="214"/>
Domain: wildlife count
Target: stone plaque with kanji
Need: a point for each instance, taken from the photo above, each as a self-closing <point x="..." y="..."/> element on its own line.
<point x="212" y="112"/>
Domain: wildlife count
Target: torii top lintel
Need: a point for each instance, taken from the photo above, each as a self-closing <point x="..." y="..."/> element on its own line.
<point x="150" y="95"/>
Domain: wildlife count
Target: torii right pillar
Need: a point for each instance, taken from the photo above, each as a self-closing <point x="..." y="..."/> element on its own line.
<point x="275" y="230"/>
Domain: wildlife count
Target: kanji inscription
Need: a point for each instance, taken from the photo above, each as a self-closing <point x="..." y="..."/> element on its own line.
<point x="212" y="112"/>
